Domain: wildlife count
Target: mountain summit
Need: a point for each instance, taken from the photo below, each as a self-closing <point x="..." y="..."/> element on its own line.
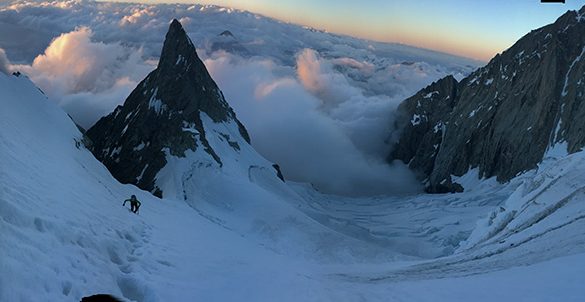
<point x="226" y="33"/>
<point x="504" y="118"/>
<point x="226" y="41"/>
<point x="169" y="114"/>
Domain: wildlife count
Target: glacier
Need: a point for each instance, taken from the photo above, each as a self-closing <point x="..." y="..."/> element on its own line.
<point x="243" y="235"/>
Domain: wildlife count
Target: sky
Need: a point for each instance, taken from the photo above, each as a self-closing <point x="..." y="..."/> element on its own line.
<point x="475" y="29"/>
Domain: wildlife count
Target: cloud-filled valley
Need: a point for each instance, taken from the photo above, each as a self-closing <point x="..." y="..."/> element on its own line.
<point x="320" y="105"/>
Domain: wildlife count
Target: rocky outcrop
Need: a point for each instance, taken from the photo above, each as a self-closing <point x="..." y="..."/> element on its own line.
<point x="278" y="172"/>
<point x="505" y="115"/>
<point x="163" y="117"/>
<point x="424" y="117"/>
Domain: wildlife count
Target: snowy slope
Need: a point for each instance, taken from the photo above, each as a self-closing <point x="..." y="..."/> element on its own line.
<point x="248" y="237"/>
<point x="64" y="231"/>
<point x="65" y="234"/>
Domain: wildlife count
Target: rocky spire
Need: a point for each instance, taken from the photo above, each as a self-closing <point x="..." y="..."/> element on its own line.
<point x="163" y="116"/>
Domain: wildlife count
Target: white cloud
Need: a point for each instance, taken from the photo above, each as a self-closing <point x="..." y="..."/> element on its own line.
<point x="4" y="62"/>
<point x="136" y="16"/>
<point x="87" y="78"/>
<point x="289" y="125"/>
<point x="366" y="120"/>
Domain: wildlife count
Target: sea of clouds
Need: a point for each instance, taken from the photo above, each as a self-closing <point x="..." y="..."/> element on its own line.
<point x="321" y="105"/>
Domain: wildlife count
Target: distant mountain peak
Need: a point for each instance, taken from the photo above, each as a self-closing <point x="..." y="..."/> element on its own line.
<point x="226" y="41"/>
<point x="227" y="33"/>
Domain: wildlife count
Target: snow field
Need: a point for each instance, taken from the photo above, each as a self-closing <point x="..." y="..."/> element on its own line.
<point x="242" y="235"/>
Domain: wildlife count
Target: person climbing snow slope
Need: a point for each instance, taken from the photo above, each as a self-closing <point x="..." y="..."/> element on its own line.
<point x="134" y="204"/>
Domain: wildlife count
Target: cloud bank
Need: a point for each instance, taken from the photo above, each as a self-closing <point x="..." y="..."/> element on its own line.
<point x="332" y="140"/>
<point x="318" y="104"/>
<point x="4" y="63"/>
<point x="88" y="79"/>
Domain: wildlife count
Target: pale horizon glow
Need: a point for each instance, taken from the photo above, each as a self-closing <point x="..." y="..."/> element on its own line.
<point x="474" y="29"/>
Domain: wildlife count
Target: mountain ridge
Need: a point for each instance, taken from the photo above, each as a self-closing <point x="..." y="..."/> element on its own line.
<point x="509" y="113"/>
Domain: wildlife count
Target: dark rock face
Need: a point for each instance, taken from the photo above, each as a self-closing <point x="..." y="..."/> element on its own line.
<point x="278" y="172"/>
<point x="506" y="115"/>
<point x="422" y="117"/>
<point x="162" y="115"/>
<point x="100" y="298"/>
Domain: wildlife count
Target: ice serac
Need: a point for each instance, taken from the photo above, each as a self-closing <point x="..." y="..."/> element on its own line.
<point x="167" y="115"/>
<point x="505" y="115"/>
